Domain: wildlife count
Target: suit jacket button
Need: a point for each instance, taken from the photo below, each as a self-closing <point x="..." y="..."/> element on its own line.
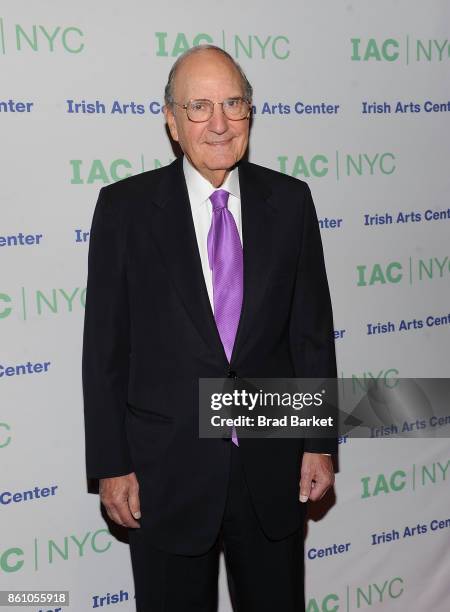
<point x="232" y="374"/>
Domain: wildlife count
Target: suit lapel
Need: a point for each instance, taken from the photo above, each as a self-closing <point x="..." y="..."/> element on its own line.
<point x="257" y="234"/>
<point x="173" y="231"/>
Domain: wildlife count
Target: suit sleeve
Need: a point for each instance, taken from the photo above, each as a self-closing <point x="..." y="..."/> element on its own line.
<point x="106" y="345"/>
<point x="311" y="328"/>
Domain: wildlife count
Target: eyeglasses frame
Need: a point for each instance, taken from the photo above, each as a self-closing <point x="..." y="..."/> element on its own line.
<point x="185" y="107"/>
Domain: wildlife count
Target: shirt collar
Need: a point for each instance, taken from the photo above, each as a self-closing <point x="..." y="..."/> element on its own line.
<point x="200" y="189"/>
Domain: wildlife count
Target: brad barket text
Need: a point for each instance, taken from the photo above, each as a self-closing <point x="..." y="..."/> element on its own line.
<point x="292" y="420"/>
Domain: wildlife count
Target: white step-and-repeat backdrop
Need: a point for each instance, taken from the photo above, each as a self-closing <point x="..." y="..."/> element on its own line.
<point x="351" y="96"/>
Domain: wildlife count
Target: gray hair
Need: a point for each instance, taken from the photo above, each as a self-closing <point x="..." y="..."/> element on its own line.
<point x="168" y="91"/>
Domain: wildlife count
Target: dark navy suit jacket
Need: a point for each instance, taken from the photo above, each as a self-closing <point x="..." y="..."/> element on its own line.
<point x="150" y="335"/>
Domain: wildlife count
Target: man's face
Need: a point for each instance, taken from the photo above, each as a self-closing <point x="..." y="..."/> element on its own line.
<point x="216" y="145"/>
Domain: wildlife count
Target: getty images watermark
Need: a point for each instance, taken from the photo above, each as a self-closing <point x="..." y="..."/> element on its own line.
<point x="324" y="408"/>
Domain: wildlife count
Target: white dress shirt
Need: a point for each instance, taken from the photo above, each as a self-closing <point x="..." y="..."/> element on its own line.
<point x="199" y="191"/>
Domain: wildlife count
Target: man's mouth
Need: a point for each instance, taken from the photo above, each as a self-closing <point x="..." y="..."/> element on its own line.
<point x="218" y="143"/>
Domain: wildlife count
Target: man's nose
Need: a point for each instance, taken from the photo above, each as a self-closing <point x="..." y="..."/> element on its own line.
<point x="218" y="122"/>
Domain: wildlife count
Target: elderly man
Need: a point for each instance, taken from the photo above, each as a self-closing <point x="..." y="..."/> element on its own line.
<point x="210" y="267"/>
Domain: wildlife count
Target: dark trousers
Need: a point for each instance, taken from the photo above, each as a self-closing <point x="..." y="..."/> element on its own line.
<point x="263" y="575"/>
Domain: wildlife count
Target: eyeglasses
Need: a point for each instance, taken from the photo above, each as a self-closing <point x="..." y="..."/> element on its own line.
<point x="199" y="111"/>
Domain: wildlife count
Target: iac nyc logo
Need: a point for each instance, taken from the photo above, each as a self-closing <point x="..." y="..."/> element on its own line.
<point x="410" y="271"/>
<point x="403" y="479"/>
<point x="41" y="552"/>
<point x="250" y="46"/>
<point x="15" y="37"/>
<point x="380" y="592"/>
<point x="25" y="303"/>
<point x="339" y="164"/>
<point x="102" y="172"/>
<point x="404" y="50"/>
<point x="5" y="435"/>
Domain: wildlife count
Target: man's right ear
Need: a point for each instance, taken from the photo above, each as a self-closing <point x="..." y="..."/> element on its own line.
<point x="170" y="119"/>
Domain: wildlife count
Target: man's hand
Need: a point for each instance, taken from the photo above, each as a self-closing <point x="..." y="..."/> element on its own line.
<point x="316" y="476"/>
<point x="120" y="496"/>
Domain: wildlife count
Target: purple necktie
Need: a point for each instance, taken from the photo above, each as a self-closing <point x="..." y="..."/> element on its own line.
<point x="226" y="262"/>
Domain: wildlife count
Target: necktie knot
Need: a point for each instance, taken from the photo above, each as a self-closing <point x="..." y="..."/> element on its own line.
<point x="219" y="199"/>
